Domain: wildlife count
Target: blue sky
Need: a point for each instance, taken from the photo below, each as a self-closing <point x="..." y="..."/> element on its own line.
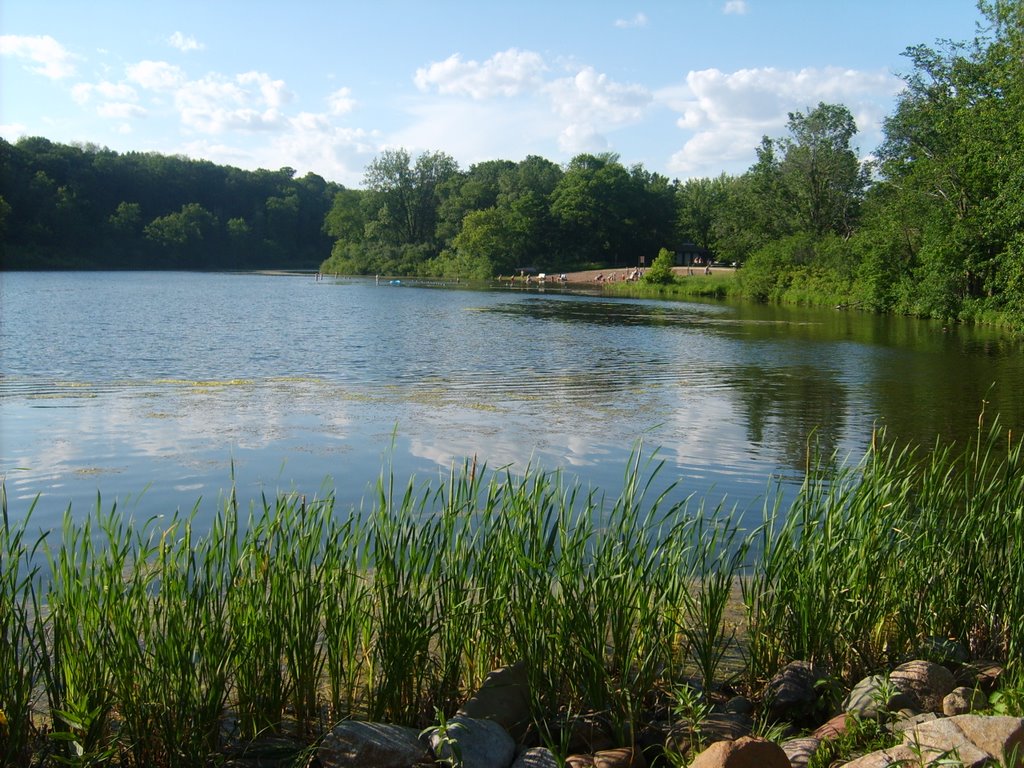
<point x="687" y="87"/>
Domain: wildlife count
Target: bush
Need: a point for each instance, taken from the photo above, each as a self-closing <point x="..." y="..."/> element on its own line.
<point x="661" y="272"/>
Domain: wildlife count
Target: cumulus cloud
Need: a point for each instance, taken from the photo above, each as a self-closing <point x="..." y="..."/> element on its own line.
<point x="120" y="110"/>
<point x="216" y="104"/>
<point x="728" y="113"/>
<point x="507" y="73"/>
<point x="83" y="93"/>
<point x="307" y="141"/>
<point x="640" y="20"/>
<point x="45" y="55"/>
<point x="592" y="103"/>
<point x="576" y="111"/>
<point x="735" y="8"/>
<point x="184" y="43"/>
<point x="156" y="75"/>
<point x="341" y="102"/>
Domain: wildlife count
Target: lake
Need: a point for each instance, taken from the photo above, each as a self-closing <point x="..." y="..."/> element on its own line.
<point x="162" y="389"/>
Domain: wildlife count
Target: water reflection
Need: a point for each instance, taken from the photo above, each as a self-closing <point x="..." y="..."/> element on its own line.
<point x="181" y="383"/>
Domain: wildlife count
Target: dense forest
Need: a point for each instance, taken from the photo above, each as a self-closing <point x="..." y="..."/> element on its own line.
<point x="72" y="207"/>
<point x="930" y="224"/>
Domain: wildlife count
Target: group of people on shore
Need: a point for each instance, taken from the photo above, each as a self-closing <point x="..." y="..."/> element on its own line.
<point x="628" y="275"/>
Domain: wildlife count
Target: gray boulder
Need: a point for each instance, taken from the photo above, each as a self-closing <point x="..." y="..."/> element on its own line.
<point x="352" y="743"/>
<point x="504" y="697"/>
<point x="800" y="751"/>
<point x="792" y="695"/>
<point x="479" y="743"/>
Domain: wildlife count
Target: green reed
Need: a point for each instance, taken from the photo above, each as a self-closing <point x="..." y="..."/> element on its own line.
<point x="873" y="561"/>
<point x="18" y="650"/>
<point x="159" y="644"/>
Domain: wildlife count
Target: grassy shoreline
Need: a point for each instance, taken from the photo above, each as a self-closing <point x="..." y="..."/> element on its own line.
<point x="155" y="642"/>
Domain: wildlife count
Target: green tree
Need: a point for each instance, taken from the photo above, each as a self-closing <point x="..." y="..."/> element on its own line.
<point x="822" y="177"/>
<point x="660" y="272"/>
<point x="405" y="198"/>
<point x="591" y="203"/>
<point x="184" y="237"/>
<point x="952" y="159"/>
<point x="700" y="203"/>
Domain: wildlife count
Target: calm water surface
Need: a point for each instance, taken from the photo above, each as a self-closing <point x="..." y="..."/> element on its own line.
<point x="161" y="389"/>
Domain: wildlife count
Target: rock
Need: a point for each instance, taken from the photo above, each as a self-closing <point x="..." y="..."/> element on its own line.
<point x="792" y="695"/>
<point x="963" y="700"/>
<point x="481" y="743"/>
<point x="354" y="743"/>
<point x="739" y="705"/>
<point x="865" y="700"/>
<point x="940" y="739"/>
<point x="971" y="740"/>
<point x="925" y="682"/>
<point x="898" y="756"/>
<point x="904" y="724"/>
<point x="800" y="751"/>
<point x="718" y="726"/>
<point x="1002" y="737"/>
<point x="832" y="729"/>
<point x="579" y="761"/>
<point x="623" y="757"/>
<point x="504" y="697"/>
<point x="746" y="752"/>
<point x="536" y="757"/>
<point x="980" y="674"/>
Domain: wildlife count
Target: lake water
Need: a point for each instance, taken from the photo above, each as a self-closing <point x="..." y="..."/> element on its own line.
<point x="161" y="389"/>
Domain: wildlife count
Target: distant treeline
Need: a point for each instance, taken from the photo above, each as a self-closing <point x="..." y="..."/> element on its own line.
<point x="931" y="224"/>
<point x="89" y="207"/>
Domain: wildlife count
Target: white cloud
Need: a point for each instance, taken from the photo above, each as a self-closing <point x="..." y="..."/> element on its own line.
<point x="507" y="73"/>
<point x="13" y="131"/>
<point x="592" y="103"/>
<point x="735" y="8"/>
<point x="474" y="131"/>
<point x="120" y="110"/>
<point x="184" y="43"/>
<point x="216" y="104"/>
<point x="274" y="93"/>
<point x="50" y="58"/>
<point x="83" y="93"/>
<point x="308" y="142"/>
<point x="640" y="20"/>
<point x="728" y="113"/>
<point x="156" y="75"/>
<point x="341" y="102"/>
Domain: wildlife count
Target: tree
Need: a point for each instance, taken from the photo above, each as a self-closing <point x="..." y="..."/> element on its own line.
<point x="405" y="198"/>
<point x="822" y="177"/>
<point x="952" y="158"/>
<point x="699" y="203"/>
<point x="183" y="236"/>
<point x="591" y="203"/>
<point x="660" y="272"/>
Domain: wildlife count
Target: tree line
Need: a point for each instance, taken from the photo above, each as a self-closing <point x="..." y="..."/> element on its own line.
<point x="930" y="224"/>
<point x="83" y="206"/>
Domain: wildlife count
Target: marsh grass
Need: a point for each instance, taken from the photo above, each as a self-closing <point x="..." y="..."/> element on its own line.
<point x="163" y="643"/>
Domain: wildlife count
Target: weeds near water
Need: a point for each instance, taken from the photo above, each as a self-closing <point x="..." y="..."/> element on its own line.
<point x="156" y="643"/>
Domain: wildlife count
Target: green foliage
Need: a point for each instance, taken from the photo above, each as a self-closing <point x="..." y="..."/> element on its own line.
<point x="660" y="271"/>
<point x="85" y="206"/>
<point x="395" y="611"/>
